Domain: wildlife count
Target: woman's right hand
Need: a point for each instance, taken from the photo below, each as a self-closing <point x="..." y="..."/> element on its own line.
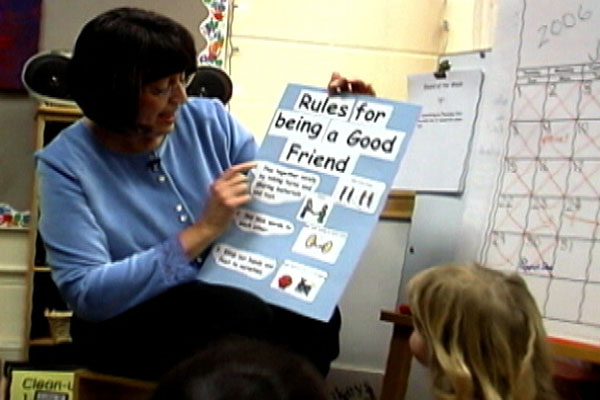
<point x="227" y="193"/>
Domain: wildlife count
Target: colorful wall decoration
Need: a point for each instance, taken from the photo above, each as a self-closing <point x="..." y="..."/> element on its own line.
<point x="19" y="37"/>
<point x="215" y="30"/>
<point x="13" y="219"/>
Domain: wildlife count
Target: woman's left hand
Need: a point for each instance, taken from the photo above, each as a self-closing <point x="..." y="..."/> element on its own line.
<point x="339" y="84"/>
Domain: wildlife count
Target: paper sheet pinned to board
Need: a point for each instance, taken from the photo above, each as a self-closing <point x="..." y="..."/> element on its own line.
<point x="437" y="157"/>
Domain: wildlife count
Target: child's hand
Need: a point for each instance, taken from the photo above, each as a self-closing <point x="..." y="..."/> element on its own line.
<point x="339" y="84"/>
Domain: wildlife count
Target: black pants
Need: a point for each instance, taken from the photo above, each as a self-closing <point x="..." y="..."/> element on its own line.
<point x="149" y="339"/>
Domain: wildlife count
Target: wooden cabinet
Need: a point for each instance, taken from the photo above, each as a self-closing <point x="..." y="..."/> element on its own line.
<point x="47" y="340"/>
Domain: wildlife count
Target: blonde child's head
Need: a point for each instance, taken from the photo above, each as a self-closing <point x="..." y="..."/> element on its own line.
<point x="481" y="334"/>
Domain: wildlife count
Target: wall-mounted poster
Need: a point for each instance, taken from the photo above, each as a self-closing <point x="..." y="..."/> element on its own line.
<point x="214" y="29"/>
<point x="325" y="169"/>
<point x="19" y="37"/>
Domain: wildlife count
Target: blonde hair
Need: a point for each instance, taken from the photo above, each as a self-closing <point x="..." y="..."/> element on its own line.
<point x="483" y="332"/>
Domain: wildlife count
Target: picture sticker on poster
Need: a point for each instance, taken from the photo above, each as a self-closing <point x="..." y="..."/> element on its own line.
<point x="359" y="193"/>
<point x="275" y="184"/>
<point x="320" y="243"/>
<point x="299" y="280"/>
<point x="253" y="265"/>
<point x="262" y="224"/>
<point x="315" y="209"/>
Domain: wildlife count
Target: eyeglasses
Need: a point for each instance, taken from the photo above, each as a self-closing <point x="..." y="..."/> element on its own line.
<point x="182" y="79"/>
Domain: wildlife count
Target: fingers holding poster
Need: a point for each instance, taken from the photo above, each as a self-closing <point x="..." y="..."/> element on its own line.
<point x="299" y="280"/>
<point x="275" y="184"/>
<point x="254" y="265"/>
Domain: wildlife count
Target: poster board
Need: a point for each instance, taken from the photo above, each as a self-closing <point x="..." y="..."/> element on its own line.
<point x="324" y="173"/>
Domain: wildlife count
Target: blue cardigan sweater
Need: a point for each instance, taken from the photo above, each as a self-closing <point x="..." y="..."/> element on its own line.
<point x="110" y="221"/>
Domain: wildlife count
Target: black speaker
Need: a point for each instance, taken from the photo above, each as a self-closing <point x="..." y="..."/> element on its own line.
<point x="211" y="82"/>
<point x="45" y="77"/>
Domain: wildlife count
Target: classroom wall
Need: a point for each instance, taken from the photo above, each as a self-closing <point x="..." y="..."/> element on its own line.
<point x="276" y="42"/>
<point x="380" y="41"/>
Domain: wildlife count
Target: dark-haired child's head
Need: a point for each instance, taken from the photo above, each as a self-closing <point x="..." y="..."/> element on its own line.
<point x="242" y="369"/>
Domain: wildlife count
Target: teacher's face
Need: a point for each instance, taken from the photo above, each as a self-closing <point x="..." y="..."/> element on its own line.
<point x="158" y="104"/>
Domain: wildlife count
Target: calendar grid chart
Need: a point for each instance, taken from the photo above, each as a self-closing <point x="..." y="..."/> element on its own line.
<point x="544" y="219"/>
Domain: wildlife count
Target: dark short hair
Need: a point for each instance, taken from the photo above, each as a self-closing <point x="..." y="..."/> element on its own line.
<point x="242" y="369"/>
<point x="118" y="52"/>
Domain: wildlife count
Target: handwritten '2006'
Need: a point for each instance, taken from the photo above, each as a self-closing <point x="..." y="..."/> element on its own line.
<point x="559" y="25"/>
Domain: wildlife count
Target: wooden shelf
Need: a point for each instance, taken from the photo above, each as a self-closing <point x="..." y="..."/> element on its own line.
<point x="399" y="206"/>
<point x="42" y="292"/>
<point x="66" y="112"/>
<point x="47" y="341"/>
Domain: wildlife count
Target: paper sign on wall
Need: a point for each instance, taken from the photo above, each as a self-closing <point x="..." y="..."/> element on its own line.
<point x="438" y="154"/>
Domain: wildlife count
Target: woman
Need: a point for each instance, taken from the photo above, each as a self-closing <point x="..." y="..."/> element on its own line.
<point x="133" y="195"/>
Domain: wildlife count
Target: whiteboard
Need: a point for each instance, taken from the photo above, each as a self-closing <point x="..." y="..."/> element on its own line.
<point x="532" y="199"/>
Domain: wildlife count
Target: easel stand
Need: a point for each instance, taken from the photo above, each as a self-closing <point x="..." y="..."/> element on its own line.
<point x="397" y="370"/>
